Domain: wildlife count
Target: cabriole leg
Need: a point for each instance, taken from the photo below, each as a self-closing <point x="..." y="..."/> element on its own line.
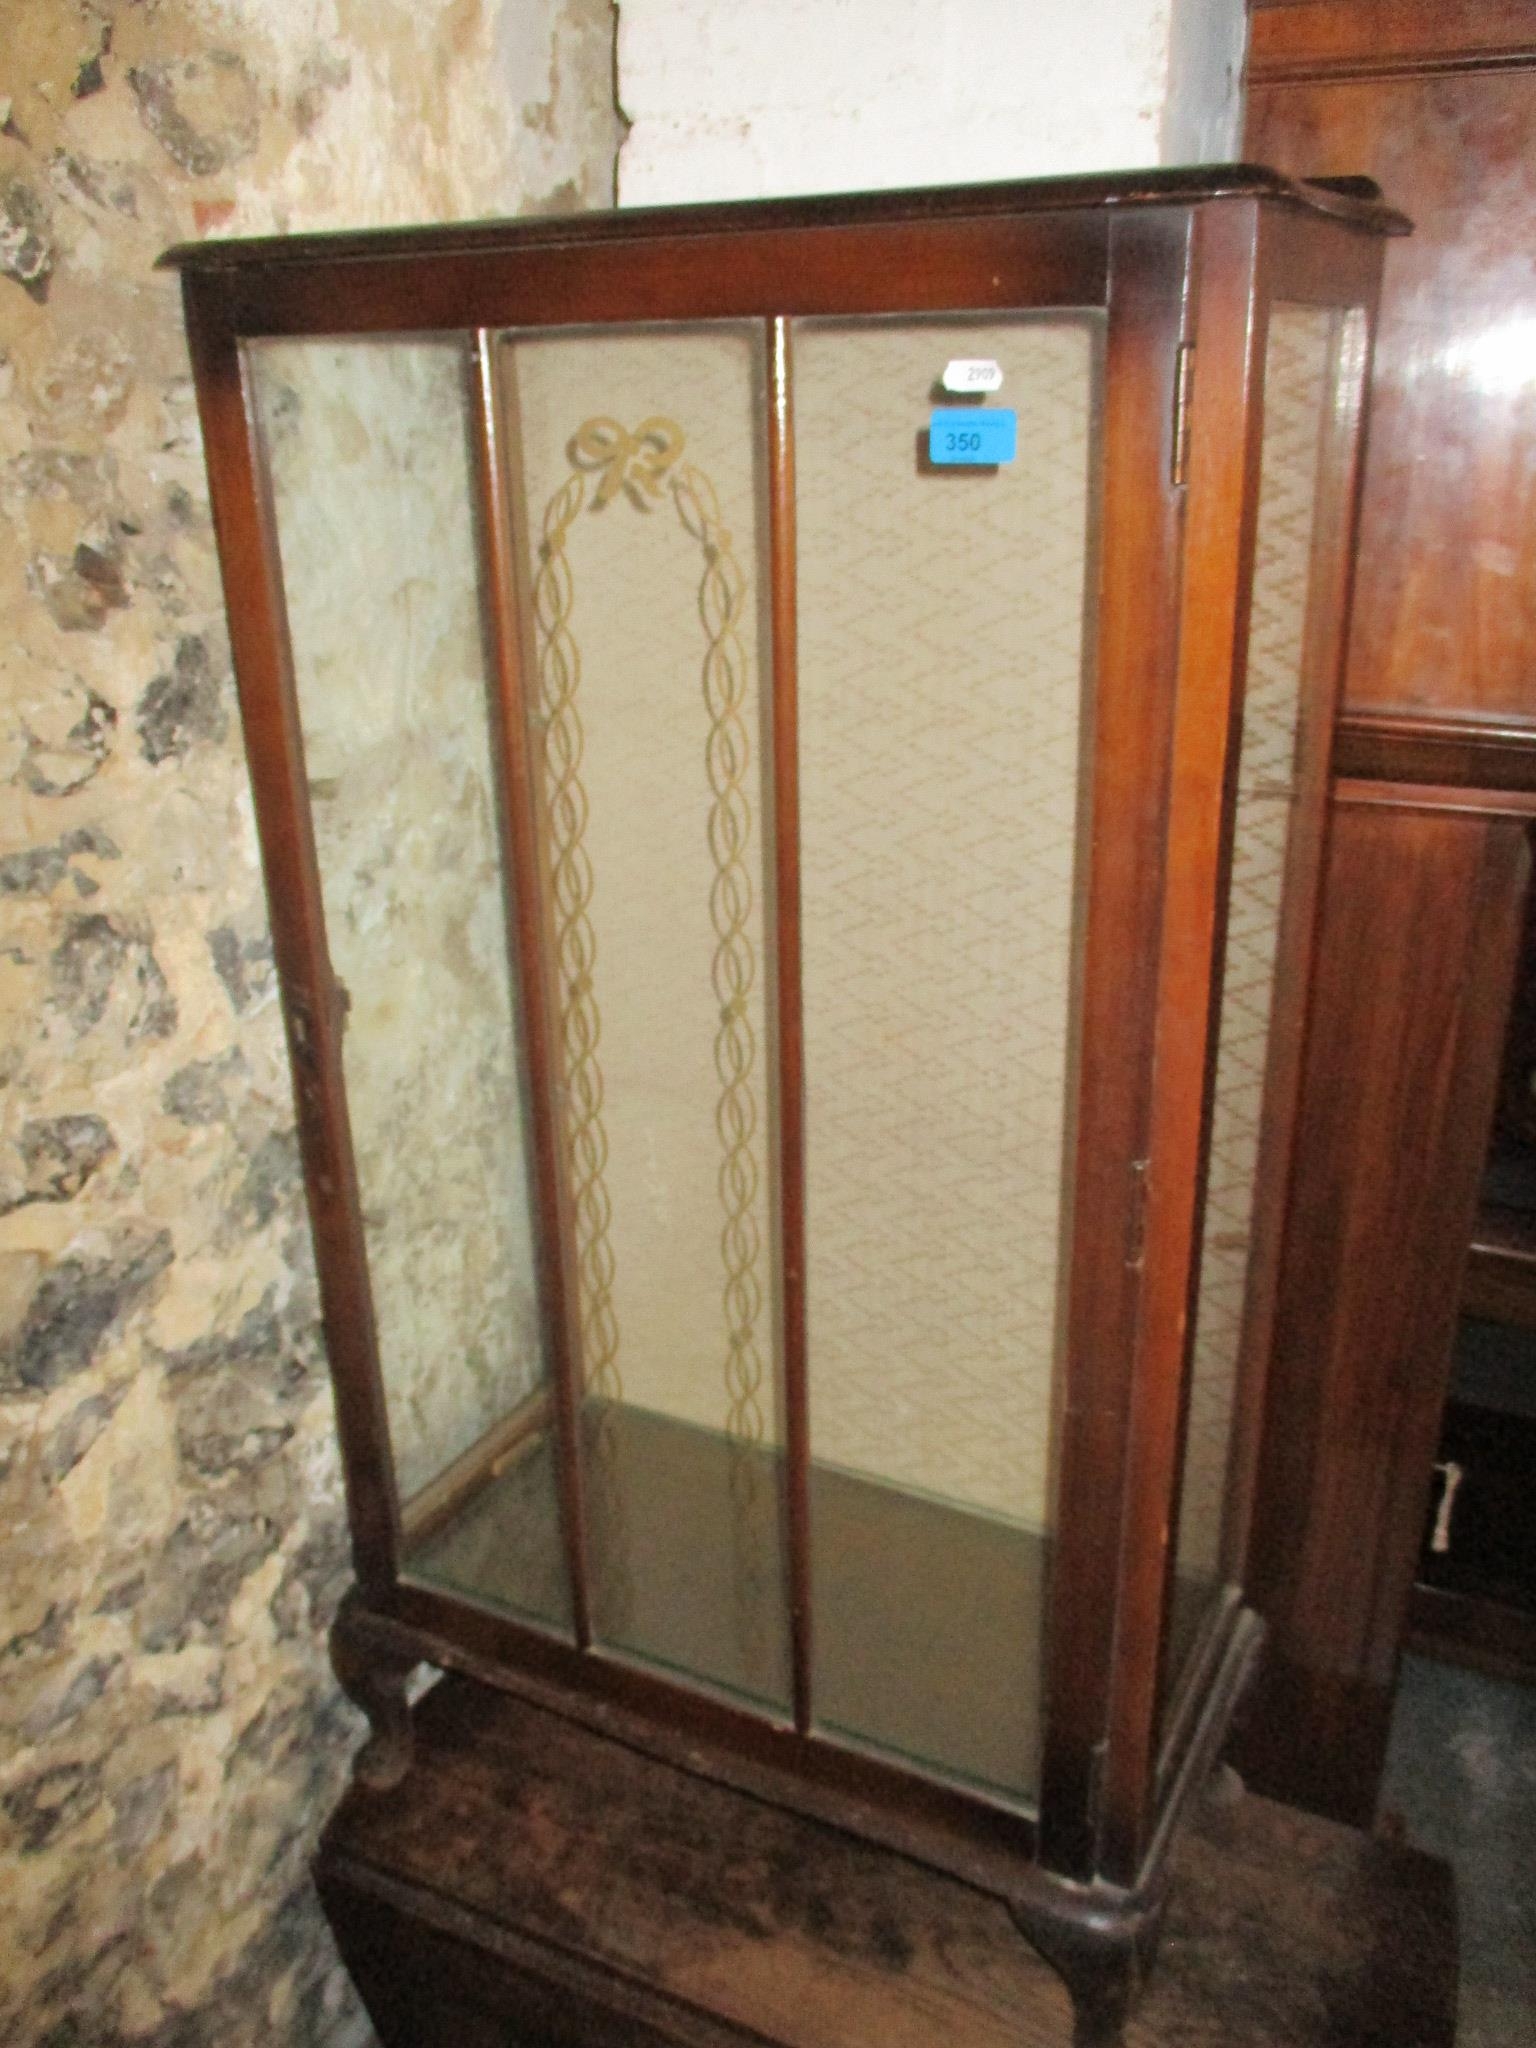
<point x="374" y="1674"/>
<point x="1103" y="1958"/>
<point x="1101" y="2006"/>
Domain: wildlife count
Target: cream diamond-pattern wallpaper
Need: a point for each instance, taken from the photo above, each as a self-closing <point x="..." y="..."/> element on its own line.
<point x="1295" y="389"/>
<point x="941" y="658"/>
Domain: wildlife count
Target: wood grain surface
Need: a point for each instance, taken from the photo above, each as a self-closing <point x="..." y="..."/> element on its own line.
<point x="1401" y="1066"/>
<point x="1445" y="599"/>
<point x="1436" y="99"/>
<point x="536" y="1885"/>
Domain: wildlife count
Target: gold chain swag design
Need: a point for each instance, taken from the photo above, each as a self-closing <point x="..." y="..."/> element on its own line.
<point x="733" y="971"/>
<point x="645" y="466"/>
<point x="559" y="667"/>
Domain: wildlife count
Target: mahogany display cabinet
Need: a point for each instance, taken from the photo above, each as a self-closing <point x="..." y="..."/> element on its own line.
<point x="790" y="745"/>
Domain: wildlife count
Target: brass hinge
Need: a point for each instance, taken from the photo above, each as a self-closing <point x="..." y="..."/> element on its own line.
<point x="1183" y="378"/>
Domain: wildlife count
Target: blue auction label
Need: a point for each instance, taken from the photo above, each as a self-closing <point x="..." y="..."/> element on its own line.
<point x="981" y="435"/>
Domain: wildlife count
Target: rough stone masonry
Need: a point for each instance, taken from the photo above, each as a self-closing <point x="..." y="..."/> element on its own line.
<point x="170" y="1738"/>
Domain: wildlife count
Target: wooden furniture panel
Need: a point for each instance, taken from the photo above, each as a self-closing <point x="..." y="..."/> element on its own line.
<point x="1491" y="758"/>
<point x="1438" y="103"/>
<point x="1439" y="96"/>
<point x="537" y="1887"/>
<point x="1420" y="925"/>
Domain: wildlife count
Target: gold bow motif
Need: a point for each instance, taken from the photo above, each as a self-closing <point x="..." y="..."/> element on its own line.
<point x="636" y="463"/>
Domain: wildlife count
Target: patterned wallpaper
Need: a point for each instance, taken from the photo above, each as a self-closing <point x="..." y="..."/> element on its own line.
<point x="942" y="683"/>
<point x="1295" y="390"/>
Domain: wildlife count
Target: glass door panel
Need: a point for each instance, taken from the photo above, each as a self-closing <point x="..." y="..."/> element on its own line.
<point x="944" y="722"/>
<point x="372" y="484"/>
<point x="1301" y="359"/>
<point x="638" y="481"/>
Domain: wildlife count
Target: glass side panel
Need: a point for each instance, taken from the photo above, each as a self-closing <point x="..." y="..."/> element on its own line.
<point x="372" y="483"/>
<point x="638" y="479"/>
<point x="1297" y="392"/>
<point x="943" y="724"/>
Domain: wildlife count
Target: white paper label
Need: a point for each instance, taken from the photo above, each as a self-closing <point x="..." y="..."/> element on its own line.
<point x="972" y="373"/>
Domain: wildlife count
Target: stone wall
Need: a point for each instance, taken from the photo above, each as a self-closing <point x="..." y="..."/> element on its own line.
<point x="170" y="1534"/>
<point x="373" y="493"/>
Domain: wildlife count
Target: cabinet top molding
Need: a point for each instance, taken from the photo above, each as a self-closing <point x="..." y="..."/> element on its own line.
<point x="1355" y="200"/>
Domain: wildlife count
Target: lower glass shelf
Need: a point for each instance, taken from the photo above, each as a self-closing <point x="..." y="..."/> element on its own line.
<point x="928" y="1616"/>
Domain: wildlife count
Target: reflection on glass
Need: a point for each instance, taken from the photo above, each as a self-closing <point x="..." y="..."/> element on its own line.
<point x="1297" y="388"/>
<point x="942" y="664"/>
<point x="637" y="480"/>
<point x="371" y="480"/>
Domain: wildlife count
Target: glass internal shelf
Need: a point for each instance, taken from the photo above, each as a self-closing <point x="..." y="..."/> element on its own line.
<point x="929" y="1614"/>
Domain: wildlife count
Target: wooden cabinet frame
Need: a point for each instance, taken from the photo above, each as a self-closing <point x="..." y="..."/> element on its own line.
<point x="1184" y="266"/>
